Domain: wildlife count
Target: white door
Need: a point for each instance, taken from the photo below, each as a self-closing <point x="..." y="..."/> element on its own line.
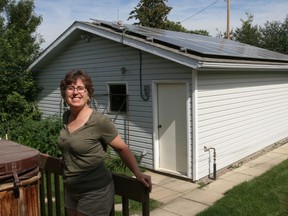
<point x="172" y="127"/>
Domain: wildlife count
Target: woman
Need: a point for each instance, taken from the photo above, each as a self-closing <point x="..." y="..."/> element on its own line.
<point x="89" y="188"/>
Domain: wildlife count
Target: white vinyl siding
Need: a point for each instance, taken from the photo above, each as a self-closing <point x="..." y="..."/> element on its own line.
<point x="239" y="114"/>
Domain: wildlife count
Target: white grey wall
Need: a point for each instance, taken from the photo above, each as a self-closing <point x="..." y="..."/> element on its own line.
<point x="239" y="113"/>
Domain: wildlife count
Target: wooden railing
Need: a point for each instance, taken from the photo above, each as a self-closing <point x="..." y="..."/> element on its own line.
<point x="52" y="200"/>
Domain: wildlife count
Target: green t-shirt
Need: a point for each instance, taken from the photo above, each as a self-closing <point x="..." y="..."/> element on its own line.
<point x="83" y="153"/>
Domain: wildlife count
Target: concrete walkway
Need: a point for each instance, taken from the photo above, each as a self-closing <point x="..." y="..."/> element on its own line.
<point x="183" y="198"/>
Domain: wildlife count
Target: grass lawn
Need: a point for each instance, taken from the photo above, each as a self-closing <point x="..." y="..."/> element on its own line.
<point x="265" y="195"/>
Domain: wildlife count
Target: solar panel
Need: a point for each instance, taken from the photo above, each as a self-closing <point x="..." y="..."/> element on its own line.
<point x="200" y="44"/>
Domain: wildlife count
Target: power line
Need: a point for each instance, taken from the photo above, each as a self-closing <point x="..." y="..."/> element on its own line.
<point x="200" y="11"/>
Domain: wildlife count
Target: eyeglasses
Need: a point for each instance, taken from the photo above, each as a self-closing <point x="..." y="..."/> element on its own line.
<point x="80" y="89"/>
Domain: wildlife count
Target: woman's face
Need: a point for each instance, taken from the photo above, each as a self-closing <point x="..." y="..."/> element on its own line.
<point x="76" y="95"/>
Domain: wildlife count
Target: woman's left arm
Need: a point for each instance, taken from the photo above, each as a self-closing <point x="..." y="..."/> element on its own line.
<point x="129" y="159"/>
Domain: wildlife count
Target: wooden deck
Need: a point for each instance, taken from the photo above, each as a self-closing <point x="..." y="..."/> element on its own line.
<point x="51" y="197"/>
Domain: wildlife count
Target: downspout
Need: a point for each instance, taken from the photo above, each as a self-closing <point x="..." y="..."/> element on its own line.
<point x="146" y="98"/>
<point x="146" y="88"/>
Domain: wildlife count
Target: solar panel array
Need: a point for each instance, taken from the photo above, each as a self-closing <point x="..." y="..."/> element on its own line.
<point x="199" y="44"/>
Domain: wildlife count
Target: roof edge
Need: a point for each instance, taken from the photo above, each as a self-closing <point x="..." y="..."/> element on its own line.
<point x="241" y="66"/>
<point x="54" y="44"/>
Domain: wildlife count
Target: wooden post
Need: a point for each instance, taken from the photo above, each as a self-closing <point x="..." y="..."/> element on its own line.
<point x="228" y="19"/>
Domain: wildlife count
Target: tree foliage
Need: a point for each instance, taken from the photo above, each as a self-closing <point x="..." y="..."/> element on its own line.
<point x="41" y="135"/>
<point x="151" y="13"/>
<point x="272" y="36"/>
<point x="20" y="44"/>
<point x="199" y="32"/>
<point x="248" y="33"/>
<point x="176" y="26"/>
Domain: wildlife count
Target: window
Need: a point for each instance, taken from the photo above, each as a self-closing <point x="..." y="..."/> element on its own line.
<point x="118" y="97"/>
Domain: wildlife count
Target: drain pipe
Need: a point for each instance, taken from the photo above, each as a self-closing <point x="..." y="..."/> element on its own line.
<point x="214" y="160"/>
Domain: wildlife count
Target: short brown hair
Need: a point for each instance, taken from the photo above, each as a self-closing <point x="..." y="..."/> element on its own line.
<point x="72" y="76"/>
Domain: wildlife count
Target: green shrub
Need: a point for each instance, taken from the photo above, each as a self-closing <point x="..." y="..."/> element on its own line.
<point x="116" y="164"/>
<point x="42" y="135"/>
<point x="38" y="134"/>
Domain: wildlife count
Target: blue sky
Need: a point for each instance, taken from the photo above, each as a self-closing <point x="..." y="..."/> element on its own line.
<point x="58" y="15"/>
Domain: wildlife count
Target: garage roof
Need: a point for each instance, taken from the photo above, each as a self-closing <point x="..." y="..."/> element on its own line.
<point x="198" y="44"/>
<point x="196" y="51"/>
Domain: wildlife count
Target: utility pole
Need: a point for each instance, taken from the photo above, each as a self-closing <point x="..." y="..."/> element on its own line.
<point x="228" y="19"/>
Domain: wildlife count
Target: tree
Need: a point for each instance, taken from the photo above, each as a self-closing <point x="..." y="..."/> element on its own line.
<point x="199" y="32"/>
<point x="20" y="44"/>
<point x="151" y="13"/>
<point x="176" y="26"/>
<point x="274" y="36"/>
<point x="248" y="33"/>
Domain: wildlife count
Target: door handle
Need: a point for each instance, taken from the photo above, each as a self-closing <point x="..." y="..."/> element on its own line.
<point x="160" y="126"/>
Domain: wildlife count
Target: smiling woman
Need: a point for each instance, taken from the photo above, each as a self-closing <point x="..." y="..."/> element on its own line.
<point x="86" y="178"/>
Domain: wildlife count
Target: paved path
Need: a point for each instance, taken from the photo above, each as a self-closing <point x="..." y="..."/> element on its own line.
<point x="183" y="198"/>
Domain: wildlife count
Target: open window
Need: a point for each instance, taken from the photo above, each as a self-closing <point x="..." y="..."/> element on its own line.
<point x="118" y="98"/>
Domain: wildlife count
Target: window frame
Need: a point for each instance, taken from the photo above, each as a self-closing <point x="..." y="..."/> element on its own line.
<point x="109" y="97"/>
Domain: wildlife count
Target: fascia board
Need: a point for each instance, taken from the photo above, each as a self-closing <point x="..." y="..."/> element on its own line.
<point x="241" y="66"/>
